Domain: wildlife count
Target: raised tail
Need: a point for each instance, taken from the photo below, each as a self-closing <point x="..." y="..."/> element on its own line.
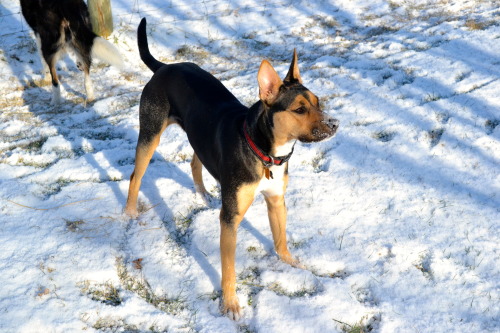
<point x="142" y="42"/>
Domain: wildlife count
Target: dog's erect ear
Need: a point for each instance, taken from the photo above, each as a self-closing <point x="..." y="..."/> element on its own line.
<point x="293" y="73"/>
<point x="269" y="83"/>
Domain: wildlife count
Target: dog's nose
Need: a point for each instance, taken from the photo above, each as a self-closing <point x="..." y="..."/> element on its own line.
<point x="333" y="123"/>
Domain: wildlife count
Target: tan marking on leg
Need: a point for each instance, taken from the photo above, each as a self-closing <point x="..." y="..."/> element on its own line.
<point x="143" y="155"/>
<point x="276" y="210"/>
<point x="196" y="170"/>
<point x="228" y="237"/>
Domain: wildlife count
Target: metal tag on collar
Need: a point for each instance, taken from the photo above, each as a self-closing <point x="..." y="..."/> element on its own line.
<point x="267" y="167"/>
<point x="268" y="173"/>
<point x="270" y="163"/>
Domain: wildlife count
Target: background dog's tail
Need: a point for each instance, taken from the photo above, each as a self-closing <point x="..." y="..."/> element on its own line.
<point x="142" y="42"/>
<point x="107" y="52"/>
<point x="84" y="40"/>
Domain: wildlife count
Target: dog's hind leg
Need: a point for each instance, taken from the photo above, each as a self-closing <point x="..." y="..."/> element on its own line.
<point x="89" y="89"/>
<point x="146" y="147"/>
<point x="56" y="88"/>
<point x="52" y="46"/>
<point x="46" y="70"/>
<point x="84" y="62"/>
<point x="196" y="170"/>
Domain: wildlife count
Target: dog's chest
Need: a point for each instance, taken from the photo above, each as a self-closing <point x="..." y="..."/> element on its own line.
<point x="275" y="185"/>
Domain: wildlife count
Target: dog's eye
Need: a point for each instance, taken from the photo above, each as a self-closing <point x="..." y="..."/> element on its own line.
<point x="300" y="110"/>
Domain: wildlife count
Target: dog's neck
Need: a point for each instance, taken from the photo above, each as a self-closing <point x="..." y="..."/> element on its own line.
<point x="260" y="129"/>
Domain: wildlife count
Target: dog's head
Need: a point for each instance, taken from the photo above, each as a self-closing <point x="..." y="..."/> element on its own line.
<point x="292" y="109"/>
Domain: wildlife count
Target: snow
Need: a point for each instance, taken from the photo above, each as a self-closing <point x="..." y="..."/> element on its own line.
<point x="396" y="218"/>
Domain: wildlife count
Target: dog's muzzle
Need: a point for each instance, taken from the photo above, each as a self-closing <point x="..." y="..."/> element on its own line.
<point x="328" y="129"/>
<point x="333" y="124"/>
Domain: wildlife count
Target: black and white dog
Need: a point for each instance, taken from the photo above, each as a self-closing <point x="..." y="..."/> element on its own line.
<point x="65" y="24"/>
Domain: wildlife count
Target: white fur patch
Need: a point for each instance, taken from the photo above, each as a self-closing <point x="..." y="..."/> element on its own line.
<point x="275" y="186"/>
<point x="89" y="89"/>
<point x="107" y="52"/>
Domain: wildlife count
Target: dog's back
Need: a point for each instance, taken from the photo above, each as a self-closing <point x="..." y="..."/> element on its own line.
<point x="47" y="16"/>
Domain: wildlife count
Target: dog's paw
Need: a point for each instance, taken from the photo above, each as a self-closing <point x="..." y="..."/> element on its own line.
<point x="131" y="212"/>
<point x="231" y="308"/>
<point x="207" y="198"/>
<point x="294" y="262"/>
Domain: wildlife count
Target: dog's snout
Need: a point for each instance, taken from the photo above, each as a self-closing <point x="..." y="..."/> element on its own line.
<point x="333" y="123"/>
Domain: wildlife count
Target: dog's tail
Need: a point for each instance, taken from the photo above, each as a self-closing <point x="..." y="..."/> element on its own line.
<point x="107" y="52"/>
<point x="84" y="40"/>
<point x="142" y="42"/>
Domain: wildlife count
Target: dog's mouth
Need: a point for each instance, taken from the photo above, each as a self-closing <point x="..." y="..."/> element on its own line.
<point x="325" y="129"/>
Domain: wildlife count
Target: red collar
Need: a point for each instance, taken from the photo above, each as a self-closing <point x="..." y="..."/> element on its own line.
<point x="266" y="159"/>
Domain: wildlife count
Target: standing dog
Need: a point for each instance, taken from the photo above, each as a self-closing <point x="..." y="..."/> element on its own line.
<point x="245" y="149"/>
<point x="59" y="24"/>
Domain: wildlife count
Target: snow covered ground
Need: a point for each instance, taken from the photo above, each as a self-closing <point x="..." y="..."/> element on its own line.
<point x="397" y="218"/>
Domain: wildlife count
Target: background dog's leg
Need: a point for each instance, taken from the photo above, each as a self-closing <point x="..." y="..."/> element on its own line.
<point x="89" y="89"/>
<point x="46" y="70"/>
<point x="230" y="218"/>
<point x="56" y="89"/>
<point x="85" y="61"/>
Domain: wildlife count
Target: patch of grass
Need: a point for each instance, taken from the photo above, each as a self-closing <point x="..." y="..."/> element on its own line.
<point x="141" y="288"/>
<point x="423" y="264"/>
<point x="384" y="136"/>
<point x="491" y="124"/>
<point x="302" y="292"/>
<point x="443" y="117"/>
<point x="248" y="282"/>
<point x="297" y="244"/>
<point x="318" y="162"/>
<point x="364" y="123"/>
<point x="113" y="324"/>
<point x="30" y="162"/>
<point x="431" y="97"/>
<point x="74" y="225"/>
<point x="461" y="76"/>
<point x="101" y="292"/>
<point x="435" y="135"/>
<point x="341" y="274"/>
<point x="54" y="188"/>
<point x="474" y="24"/>
<point x="367" y="324"/>
<point x="195" y="53"/>
<point x="36" y="145"/>
<point x="325" y="22"/>
<point x="180" y="225"/>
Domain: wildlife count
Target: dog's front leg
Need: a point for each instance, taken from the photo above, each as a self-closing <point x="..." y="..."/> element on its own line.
<point x="234" y="207"/>
<point x="276" y="210"/>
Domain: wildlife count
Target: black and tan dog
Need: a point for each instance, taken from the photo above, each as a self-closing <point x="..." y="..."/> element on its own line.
<point x="245" y="149"/>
